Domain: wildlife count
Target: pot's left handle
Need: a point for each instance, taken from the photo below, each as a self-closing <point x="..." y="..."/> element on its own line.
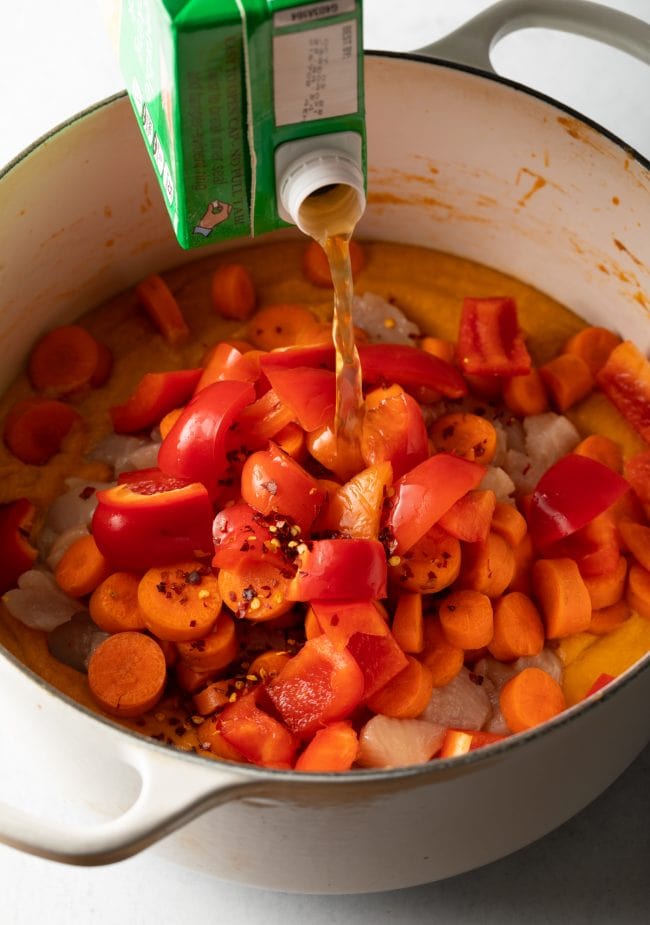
<point x="172" y="793"/>
<point x="472" y="43"/>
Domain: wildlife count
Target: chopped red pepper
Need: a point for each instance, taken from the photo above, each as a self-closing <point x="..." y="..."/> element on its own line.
<point x="570" y="495"/>
<point x="227" y="363"/>
<point x="637" y="472"/>
<point x="309" y="393"/>
<point x="241" y="534"/>
<point x="393" y="430"/>
<point x="155" y="395"/>
<point x="490" y="342"/>
<point x="469" y="519"/>
<point x="274" y="483"/>
<point x="340" y="569"/>
<point x="18" y="555"/>
<point x="601" y="681"/>
<point x="259" y="737"/>
<point x="625" y="380"/>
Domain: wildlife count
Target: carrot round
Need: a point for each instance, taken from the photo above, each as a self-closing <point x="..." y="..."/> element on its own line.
<point x="443" y="659"/>
<point x="180" y="602"/>
<point x="609" y="618"/>
<point x="316" y="268"/>
<point x="429" y="566"/>
<point x="408" y="624"/>
<point x="36" y="427"/>
<point x="603" y="450"/>
<point x="638" y="590"/>
<point x="233" y="292"/>
<point x="407" y="694"/>
<point x="211" y="698"/>
<point x="466" y="619"/>
<point x="127" y="673"/>
<point x="257" y="592"/>
<point x="567" y="379"/>
<point x="636" y="538"/>
<point x="114" y="604"/>
<point x="525" y="395"/>
<point x="81" y="568"/>
<point x="269" y="664"/>
<point x="63" y="361"/>
<point x="562" y="596"/>
<point x="467" y="435"/>
<point x="606" y="589"/>
<point x="508" y="523"/>
<point x="524" y="555"/>
<point x="333" y="748"/>
<point x="530" y="698"/>
<point x="443" y="349"/>
<point x="189" y="679"/>
<point x="593" y="345"/>
<point x="488" y="567"/>
<point x="518" y="628"/>
<point x="280" y="325"/>
<point x="214" y="651"/>
<point x="157" y="299"/>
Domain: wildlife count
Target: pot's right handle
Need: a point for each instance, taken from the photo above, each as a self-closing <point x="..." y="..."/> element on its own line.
<point x="472" y="43"/>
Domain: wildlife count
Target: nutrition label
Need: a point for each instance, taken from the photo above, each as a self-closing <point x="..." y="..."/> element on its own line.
<point x="315" y="73"/>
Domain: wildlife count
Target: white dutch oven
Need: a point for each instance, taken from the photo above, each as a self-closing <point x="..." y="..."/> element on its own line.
<point x="462" y="161"/>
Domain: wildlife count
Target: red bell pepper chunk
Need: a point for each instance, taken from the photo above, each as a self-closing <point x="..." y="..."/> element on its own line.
<point x="480" y="739"/>
<point x="18" y="555"/>
<point x="625" y="380"/>
<point x="241" y="534"/>
<point x="393" y="430"/>
<point x="195" y="447"/>
<point x="152" y="521"/>
<point x="595" y="548"/>
<point x="319" y="685"/>
<point x="410" y="367"/>
<point x="227" y="363"/>
<point x="274" y="483"/>
<point x="570" y="495"/>
<point x="309" y="393"/>
<point x="359" y="627"/>
<point x="259" y="737"/>
<point x="637" y="472"/>
<point x="341" y="569"/>
<point x="601" y="681"/>
<point x="469" y="519"/>
<point x="427" y="492"/>
<point x="155" y="395"/>
<point x="490" y="342"/>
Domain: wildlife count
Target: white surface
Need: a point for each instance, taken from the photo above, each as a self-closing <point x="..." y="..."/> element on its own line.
<point x="55" y="59"/>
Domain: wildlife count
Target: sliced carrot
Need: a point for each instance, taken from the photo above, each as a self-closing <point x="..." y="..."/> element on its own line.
<point x="114" y="604"/>
<point x="408" y="623"/>
<point x="256" y="592"/>
<point x="127" y="673"/>
<point x="508" y="523"/>
<point x="488" y="567"/>
<point x="291" y="439"/>
<point x="470" y="517"/>
<point x="269" y="664"/>
<point x="189" y="679"/>
<point x="214" y="651"/>
<point x="333" y="748"/>
<point x="169" y="420"/>
<point x="280" y="325"/>
<point x="467" y="435"/>
<point x="524" y="556"/>
<point x="518" y="628"/>
<point x="603" y="450"/>
<point x="211" y="739"/>
<point x="526" y="394"/>
<point x="82" y="568"/>
<point x="407" y="694"/>
<point x="636" y="538"/>
<point x="233" y="292"/>
<point x="466" y="619"/>
<point x="606" y="589"/>
<point x="321" y="333"/>
<point x="316" y="267"/>
<point x="609" y="618"/>
<point x="443" y="659"/>
<point x="638" y="590"/>
<point x="567" y="379"/>
<point x="593" y="345"/>
<point x="444" y="349"/>
<point x="103" y="368"/>
<point x="432" y="564"/>
<point x="562" y="596"/>
<point x="156" y="298"/>
<point x="456" y="742"/>
<point x="35" y="429"/>
<point x="63" y="361"/>
<point x="530" y="698"/>
<point x="211" y="698"/>
<point x="181" y="602"/>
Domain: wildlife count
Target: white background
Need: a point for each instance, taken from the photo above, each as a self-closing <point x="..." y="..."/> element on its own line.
<point x="56" y="59"/>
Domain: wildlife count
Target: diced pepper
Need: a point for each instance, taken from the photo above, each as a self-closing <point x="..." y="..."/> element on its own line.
<point x="490" y="342"/>
<point x="339" y="569"/>
<point x="18" y="555"/>
<point x="155" y="395"/>
<point x="625" y="380"/>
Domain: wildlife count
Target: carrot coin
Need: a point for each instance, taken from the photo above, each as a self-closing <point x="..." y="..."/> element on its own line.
<point x="126" y="674"/>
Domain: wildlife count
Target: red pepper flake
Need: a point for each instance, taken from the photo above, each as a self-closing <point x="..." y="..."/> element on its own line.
<point x="87" y="492"/>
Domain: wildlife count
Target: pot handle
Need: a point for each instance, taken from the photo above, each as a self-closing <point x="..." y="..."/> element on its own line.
<point x="472" y="43"/>
<point x="160" y="808"/>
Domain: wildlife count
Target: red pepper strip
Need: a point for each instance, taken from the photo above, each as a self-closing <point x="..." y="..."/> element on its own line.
<point x="154" y="396"/>
<point x="18" y="555"/>
<point x="309" y="393"/>
<point x="570" y="495"/>
<point x="340" y="569"/>
<point x="427" y="492"/>
<point x="227" y="363"/>
<point x="195" y="447"/>
<point x="258" y="423"/>
<point x="637" y="472"/>
<point x="410" y="367"/>
<point x="480" y="739"/>
<point x="150" y="481"/>
<point x="489" y="339"/>
<point x="259" y="737"/>
<point x="272" y="482"/>
<point x="393" y="430"/>
<point x="625" y="380"/>
<point x="595" y="548"/>
<point x="242" y="535"/>
<point x="470" y="518"/>
<point x="359" y="627"/>
<point x="139" y="525"/>
<point x="601" y="681"/>
<point x="319" y="685"/>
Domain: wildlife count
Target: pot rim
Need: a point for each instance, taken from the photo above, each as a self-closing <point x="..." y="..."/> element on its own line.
<point x="426" y="773"/>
